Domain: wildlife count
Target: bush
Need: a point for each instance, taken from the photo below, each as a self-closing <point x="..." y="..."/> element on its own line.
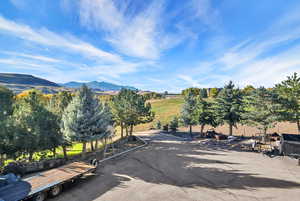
<point x="158" y="125"/>
<point x="174" y="124"/>
<point x="15" y="168"/>
<point x="166" y="128"/>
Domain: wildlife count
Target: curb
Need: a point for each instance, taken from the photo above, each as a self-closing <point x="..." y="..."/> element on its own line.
<point x="124" y="152"/>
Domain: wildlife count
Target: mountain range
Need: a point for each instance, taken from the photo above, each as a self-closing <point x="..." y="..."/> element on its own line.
<point x="21" y="82"/>
<point x="24" y="79"/>
<point x="98" y="86"/>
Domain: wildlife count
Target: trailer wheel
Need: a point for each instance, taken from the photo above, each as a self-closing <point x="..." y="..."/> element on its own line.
<point x="94" y="162"/>
<point x="55" y="191"/>
<point x="40" y="197"/>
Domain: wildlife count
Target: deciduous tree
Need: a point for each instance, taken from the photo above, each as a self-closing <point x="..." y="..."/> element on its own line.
<point x="130" y="109"/>
<point x="193" y="90"/>
<point x="248" y="89"/>
<point x="38" y="129"/>
<point x="6" y="102"/>
<point x="213" y="92"/>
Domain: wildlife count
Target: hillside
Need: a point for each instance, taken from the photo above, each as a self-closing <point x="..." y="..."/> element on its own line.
<point x="21" y="82"/>
<point x="98" y="86"/>
<point x="165" y="110"/>
<point x="24" y="79"/>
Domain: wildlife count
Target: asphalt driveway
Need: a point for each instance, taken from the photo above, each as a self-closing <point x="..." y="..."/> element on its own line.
<point x="172" y="169"/>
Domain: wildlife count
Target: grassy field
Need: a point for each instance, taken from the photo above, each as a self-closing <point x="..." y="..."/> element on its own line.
<point x="73" y="150"/>
<point x="165" y="110"/>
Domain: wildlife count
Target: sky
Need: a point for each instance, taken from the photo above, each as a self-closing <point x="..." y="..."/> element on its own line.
<point x="158" y="45"/>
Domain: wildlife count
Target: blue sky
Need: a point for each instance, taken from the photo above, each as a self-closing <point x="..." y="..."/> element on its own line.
<point x="153" y="45"/>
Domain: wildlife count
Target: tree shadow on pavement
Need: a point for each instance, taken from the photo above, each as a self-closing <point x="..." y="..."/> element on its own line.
<point x="177" y="164"/>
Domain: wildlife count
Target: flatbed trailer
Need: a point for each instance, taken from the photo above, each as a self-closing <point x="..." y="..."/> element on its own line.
<point x="48" y="183"/>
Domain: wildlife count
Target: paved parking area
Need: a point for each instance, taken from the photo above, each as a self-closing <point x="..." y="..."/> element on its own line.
<point x="170" y="169"/>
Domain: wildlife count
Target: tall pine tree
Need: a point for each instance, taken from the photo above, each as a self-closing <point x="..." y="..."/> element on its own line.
<point x="260" y="110"/>
<point x="289" y="99"/>
<point x="189" y="111"/>
<point x="228" y="106"/>
<point x="205" y="114"/>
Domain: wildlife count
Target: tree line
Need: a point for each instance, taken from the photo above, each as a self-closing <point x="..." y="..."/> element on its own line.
<point x="34" y="122"/>
<point x="259" y="107"/>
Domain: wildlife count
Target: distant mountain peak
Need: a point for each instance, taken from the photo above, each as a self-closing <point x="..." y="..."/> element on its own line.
<point x="98" y="86"/>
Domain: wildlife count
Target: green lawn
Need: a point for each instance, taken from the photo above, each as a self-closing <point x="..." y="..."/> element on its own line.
<point x="165" y="110"/>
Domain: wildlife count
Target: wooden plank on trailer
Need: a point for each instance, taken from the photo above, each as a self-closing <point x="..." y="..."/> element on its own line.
<point x="47" y="179"/>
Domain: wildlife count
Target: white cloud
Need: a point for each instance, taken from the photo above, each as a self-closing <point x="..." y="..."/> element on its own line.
<point x="270" y="70"/>
<point x="265" y="59"/>
<point x="66" y="42"/>
<point x="25" y="64"/>
<point x="139" y="34"/>
<point x="132" y="35"/>
<point x="35" y="57"/>
<point x="204" y="11"/>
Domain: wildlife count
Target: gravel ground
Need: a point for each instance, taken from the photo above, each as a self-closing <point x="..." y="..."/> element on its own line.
<point x="172" y="169"/>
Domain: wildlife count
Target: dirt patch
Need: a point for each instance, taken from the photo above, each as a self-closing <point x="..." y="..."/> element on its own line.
<point x="282" y="127"/>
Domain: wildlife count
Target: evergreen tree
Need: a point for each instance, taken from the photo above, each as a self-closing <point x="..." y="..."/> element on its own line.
<point x="205" y="114"/>
<point x="118" y="104"/>
<point x="203" y="93"/>
<point x="260" y="110"/>
<point x="228" y="106"/>
<point x="174" y="124"/>
<point x="57" y="106"/>
<point x="189" y="111"/>
<point x="85" y="119"/>
<point x="289" y="99"/>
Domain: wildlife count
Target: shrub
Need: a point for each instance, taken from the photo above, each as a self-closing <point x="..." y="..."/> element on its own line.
<point x="174" y="124"/>
<point x="158" y="125"/>
<point x="166" y="127"/>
